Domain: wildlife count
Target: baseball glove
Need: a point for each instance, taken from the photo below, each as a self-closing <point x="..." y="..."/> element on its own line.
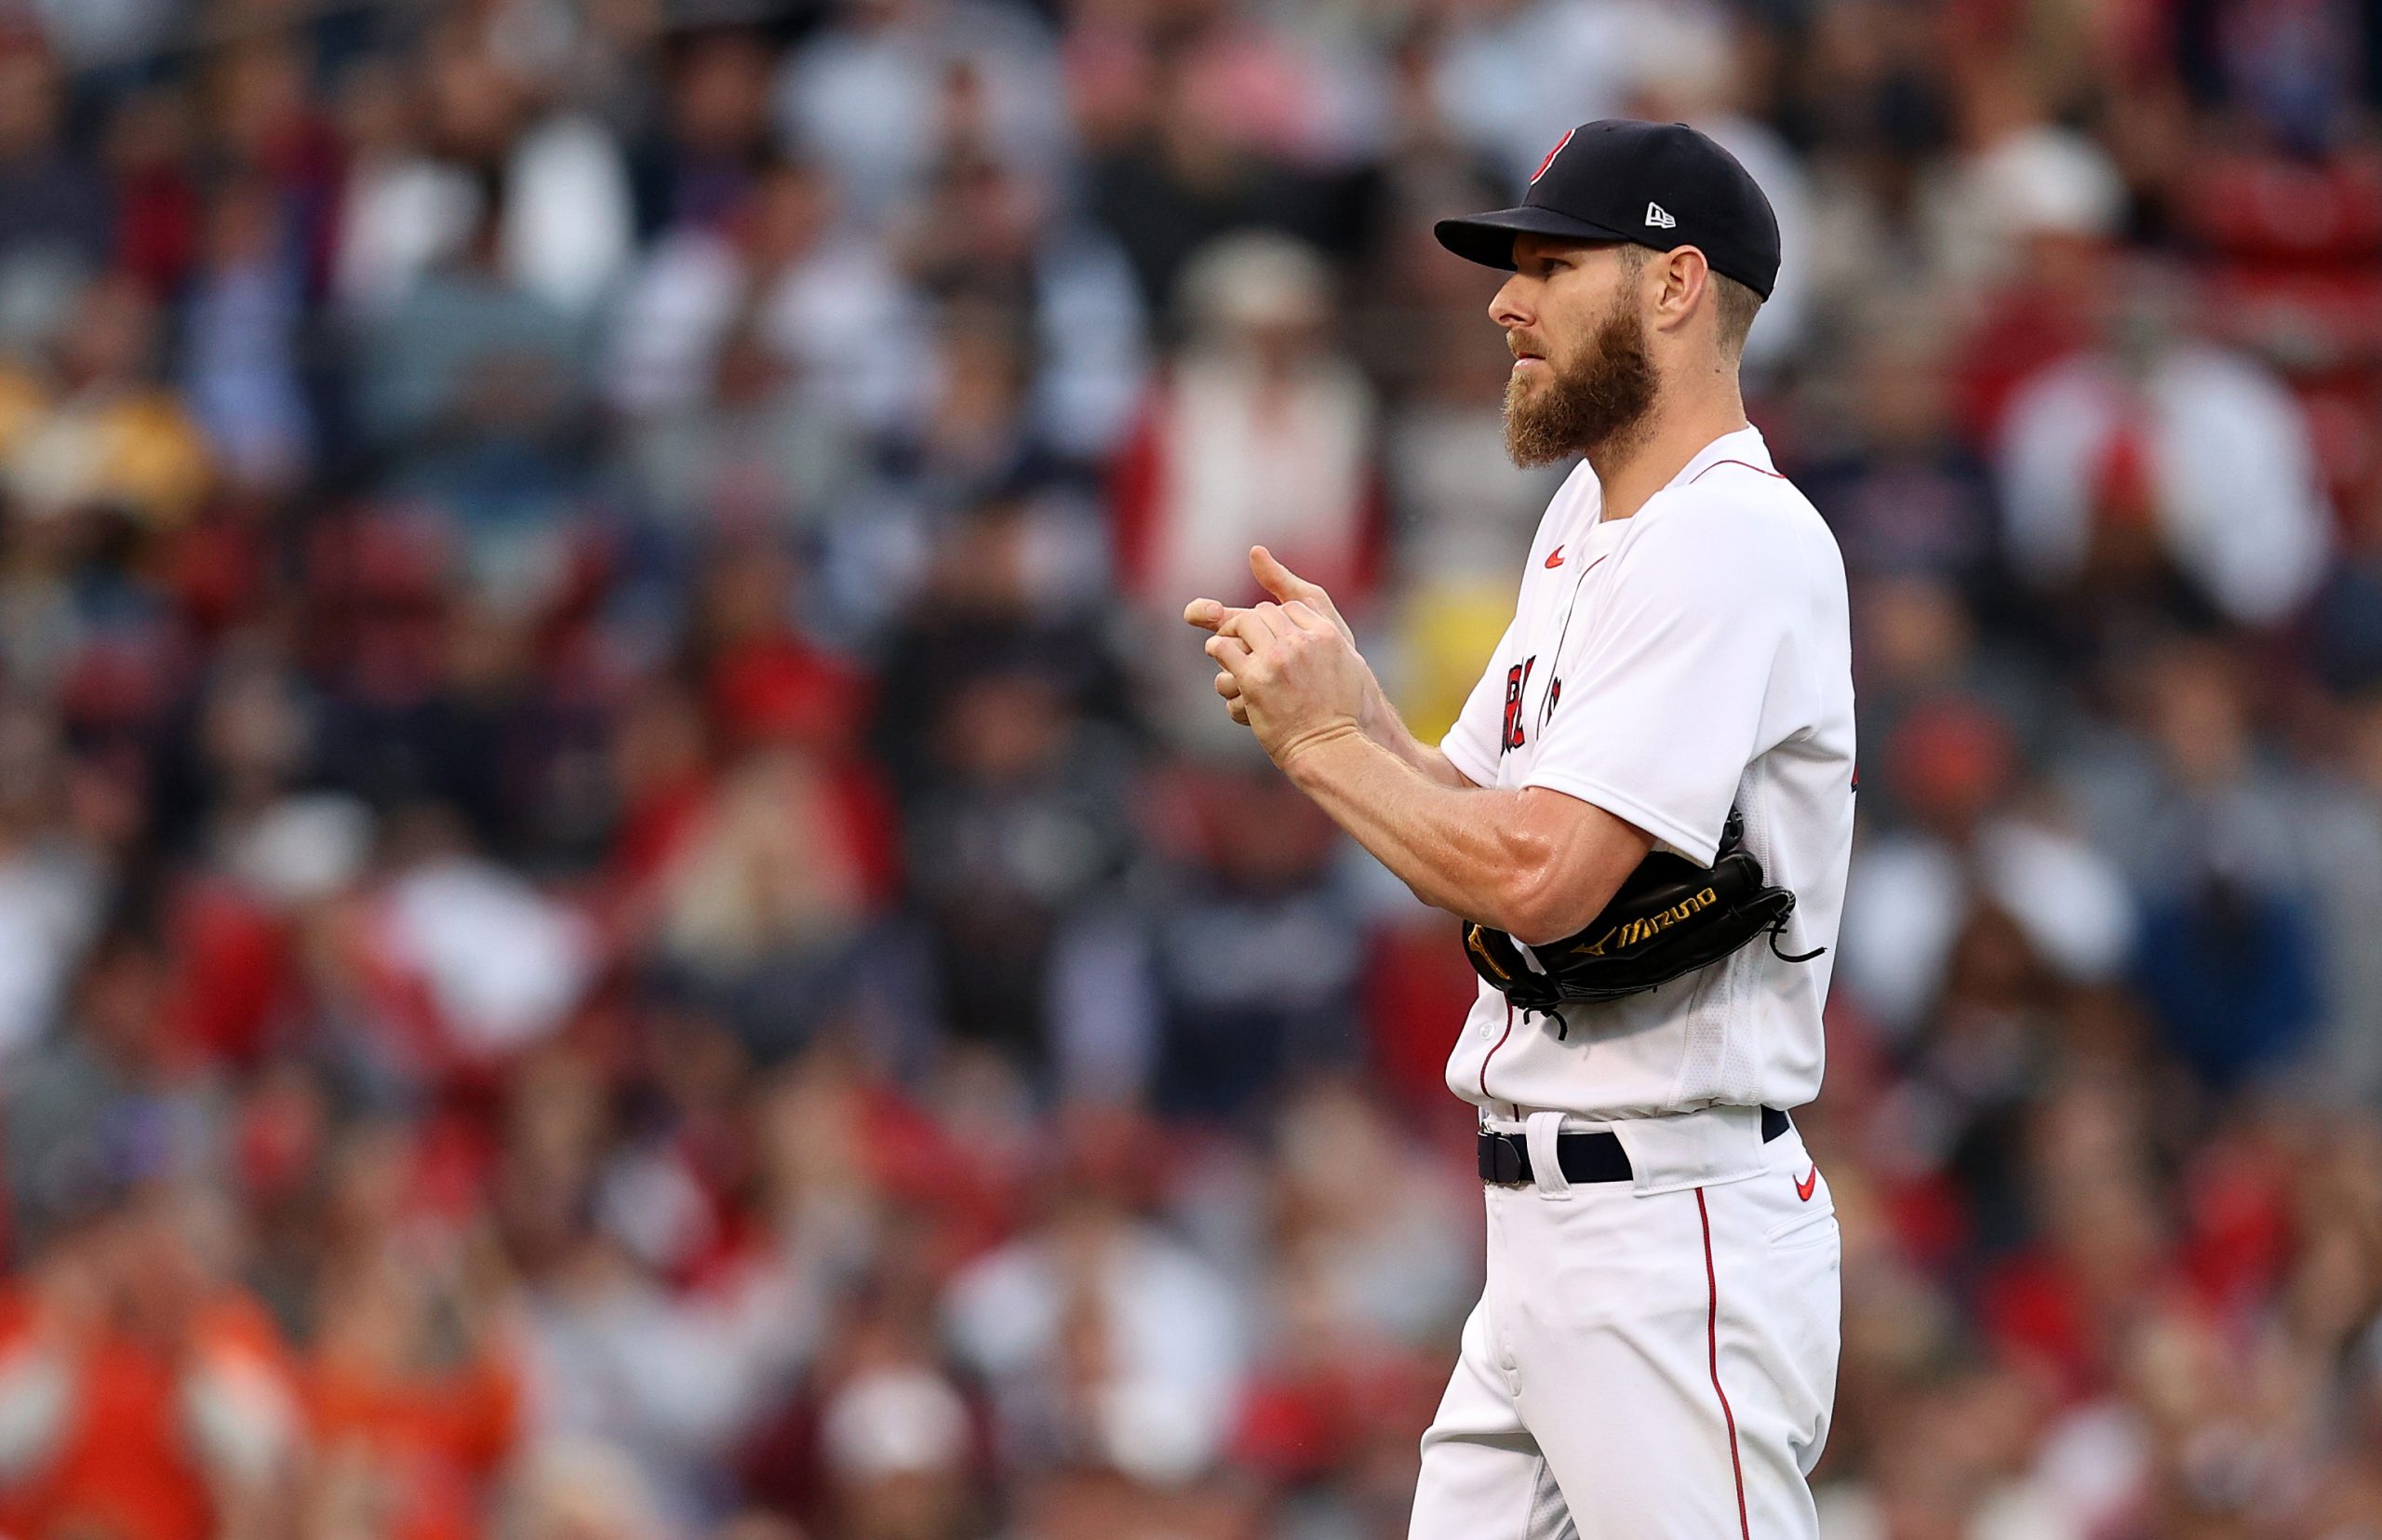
<point x="1670" y="916"/>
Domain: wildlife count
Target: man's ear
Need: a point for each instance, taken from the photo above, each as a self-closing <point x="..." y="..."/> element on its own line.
<point x="1686" y="280"/>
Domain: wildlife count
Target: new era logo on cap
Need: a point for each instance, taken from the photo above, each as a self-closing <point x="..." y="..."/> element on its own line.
<point x="1659" y="217"/>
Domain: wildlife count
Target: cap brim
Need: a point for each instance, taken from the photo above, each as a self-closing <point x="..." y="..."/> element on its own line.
<point x="1489" y="238"/>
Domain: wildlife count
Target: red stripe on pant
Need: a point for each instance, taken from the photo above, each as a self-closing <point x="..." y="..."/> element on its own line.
<point x="1492" y="1052"/>
<point x="1712" y="1340"/>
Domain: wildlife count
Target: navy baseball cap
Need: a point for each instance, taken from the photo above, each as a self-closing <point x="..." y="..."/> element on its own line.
<point x="1655" y="184"/>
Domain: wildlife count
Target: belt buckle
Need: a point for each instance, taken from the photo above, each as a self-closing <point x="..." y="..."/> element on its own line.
<point x="1505" y="1160"/>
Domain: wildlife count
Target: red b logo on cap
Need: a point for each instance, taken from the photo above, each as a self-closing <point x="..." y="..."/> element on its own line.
<point x="1551" y="154"/>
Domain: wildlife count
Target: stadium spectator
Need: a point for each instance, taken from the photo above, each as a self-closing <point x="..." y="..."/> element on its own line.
<point x="1263" y="430"/>
<point x="2155" y="457"/>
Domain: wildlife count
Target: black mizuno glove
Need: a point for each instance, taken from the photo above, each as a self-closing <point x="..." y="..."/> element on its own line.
<point x="1670" y="916"/>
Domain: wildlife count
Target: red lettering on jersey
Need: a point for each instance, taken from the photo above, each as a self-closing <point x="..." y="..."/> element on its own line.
<point x="1516" y="681"/>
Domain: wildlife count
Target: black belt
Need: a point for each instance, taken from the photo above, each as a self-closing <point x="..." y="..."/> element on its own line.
<point x="1505" y="1159"/>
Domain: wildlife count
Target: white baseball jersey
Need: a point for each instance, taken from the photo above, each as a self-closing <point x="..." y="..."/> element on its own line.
<point x="1665" y="667"/>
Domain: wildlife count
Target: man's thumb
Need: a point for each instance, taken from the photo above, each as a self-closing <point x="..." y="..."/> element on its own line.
<point x="1276" y="579"/>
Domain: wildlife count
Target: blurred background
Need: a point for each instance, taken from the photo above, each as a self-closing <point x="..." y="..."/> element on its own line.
<point x="624" y="913"/>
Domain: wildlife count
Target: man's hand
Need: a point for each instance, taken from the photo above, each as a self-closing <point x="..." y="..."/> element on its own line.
<point x="1301" y="683"/>
<point x="1377" y="720"/>
<point x="1287" y="587"/>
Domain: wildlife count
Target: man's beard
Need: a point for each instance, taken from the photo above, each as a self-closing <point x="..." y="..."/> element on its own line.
<point x="1593" y="405"/>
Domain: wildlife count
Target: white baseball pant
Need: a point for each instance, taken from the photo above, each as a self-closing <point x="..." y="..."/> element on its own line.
<point x="1643" y="1364"/>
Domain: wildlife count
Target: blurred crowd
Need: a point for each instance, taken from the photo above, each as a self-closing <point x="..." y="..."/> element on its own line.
<point x="624" y="913"/>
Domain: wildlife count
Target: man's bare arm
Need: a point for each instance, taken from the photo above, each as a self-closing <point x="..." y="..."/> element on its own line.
<point x="1535" y="863"/>
<point x="1532" y="862"/>
<point x="1390" y="732"/>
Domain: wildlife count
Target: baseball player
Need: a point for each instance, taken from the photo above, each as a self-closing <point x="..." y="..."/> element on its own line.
<point x="1642" y="819"/>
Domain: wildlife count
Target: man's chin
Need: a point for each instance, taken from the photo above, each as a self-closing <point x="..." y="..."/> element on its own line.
<point x="1530" y="443"/>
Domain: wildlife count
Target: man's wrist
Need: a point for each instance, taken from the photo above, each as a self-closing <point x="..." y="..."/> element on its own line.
<point x="1378" y="719"/>
<point x="1310" y="759"/>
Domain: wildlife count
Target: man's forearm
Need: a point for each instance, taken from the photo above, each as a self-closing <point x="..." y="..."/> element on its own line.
<point x="1460" y="848"/>
<point x="1384" y="726"/>
<point x="1533" y="862"/>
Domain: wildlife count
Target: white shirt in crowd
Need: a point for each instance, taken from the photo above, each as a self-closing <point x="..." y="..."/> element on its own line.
<point x="2238" y="492"/>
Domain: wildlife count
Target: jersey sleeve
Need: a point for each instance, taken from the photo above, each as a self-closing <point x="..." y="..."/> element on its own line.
<point x="1471" y="743"/>
<point x="1671" y="689"/>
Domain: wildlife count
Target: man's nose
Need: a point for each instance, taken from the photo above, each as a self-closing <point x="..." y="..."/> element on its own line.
<point x="1506" y="308"/>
